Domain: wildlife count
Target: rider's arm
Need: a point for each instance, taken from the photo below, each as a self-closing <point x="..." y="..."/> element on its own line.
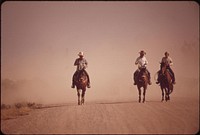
<point x="146" y="62"/>
<point x="170" y="62"/>
<point x="162" y="61"/>
<point x="86" y="64"/>
<point x="76" y="62"/>
<point x="136" y="62"/>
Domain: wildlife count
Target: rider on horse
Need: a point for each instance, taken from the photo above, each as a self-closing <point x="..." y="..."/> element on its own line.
<point x="168" y="61"/>
<point x="142" y="63"/>
<point x="81" y="64"/>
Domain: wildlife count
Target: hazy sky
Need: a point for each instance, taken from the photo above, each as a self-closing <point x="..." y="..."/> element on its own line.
<point x="40" y="41"/>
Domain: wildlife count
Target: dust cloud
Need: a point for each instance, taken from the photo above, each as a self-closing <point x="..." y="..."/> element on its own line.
<point x="38" y="56"/>
<point x="111" y="80"/>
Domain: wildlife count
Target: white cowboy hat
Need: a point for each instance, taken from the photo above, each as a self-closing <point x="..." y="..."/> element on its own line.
<point x="80" y="54"/>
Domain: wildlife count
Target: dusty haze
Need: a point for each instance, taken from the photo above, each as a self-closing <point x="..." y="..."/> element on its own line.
<point x="41" y="40"/>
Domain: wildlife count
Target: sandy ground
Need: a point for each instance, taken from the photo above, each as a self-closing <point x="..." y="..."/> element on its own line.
<point x="179" y="116"/>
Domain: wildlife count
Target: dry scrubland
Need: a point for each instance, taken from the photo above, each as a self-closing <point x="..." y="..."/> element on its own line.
<point x="17" y="109"/>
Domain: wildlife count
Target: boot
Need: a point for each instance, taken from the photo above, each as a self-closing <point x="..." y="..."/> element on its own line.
<point x="173" y="82"/>
<point x="157" y="81"/>
<point x="88" y="85"/>
<point x="73" y="85"/>
<point x="150" y="82"/>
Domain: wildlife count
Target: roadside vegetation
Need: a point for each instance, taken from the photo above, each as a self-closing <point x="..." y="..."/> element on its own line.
<point x="18" y="109"/>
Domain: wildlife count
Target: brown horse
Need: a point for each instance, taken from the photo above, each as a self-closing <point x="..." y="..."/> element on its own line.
<point x="81" y="83"/>
<point x="142" y="83"/>
<point x="165" y="82"/>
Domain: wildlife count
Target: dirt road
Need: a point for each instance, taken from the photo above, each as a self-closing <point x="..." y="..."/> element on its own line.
<point x="174" y="117"/>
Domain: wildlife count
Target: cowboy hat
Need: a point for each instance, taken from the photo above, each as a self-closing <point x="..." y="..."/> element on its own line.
<point x="166" y="53"/>
<point x="142" y="52"/>
<point x="80" y="54"/>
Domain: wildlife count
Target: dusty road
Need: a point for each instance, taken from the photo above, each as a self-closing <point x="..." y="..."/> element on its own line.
<point x="174" y="117"/>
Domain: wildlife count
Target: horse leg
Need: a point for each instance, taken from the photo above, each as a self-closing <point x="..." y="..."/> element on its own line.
<point x="139" y="90"/>
<point x="144" y="92"/>
<point x="162" y="95"/>
<point x="79" y="93"/>
<point x="83" y="97"/>
<point x="168" y="98"/>
<point x="166" y="94"/>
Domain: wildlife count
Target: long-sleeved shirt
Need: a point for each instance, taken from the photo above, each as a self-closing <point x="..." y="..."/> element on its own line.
<point x="167" y="60"/>
<point x="141" y="61"/>
<point x="80" y="63"/>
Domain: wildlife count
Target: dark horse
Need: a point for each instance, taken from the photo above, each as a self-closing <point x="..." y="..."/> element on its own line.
<point x="81" y="82"/>
<point x="142" y="81"/>
<point x="165" y="82"/>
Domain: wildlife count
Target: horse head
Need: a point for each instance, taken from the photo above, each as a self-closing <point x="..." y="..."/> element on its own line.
<point x="143" y="75"/>
<point x="165" y="74"/>
<point x="83" y="79"/>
